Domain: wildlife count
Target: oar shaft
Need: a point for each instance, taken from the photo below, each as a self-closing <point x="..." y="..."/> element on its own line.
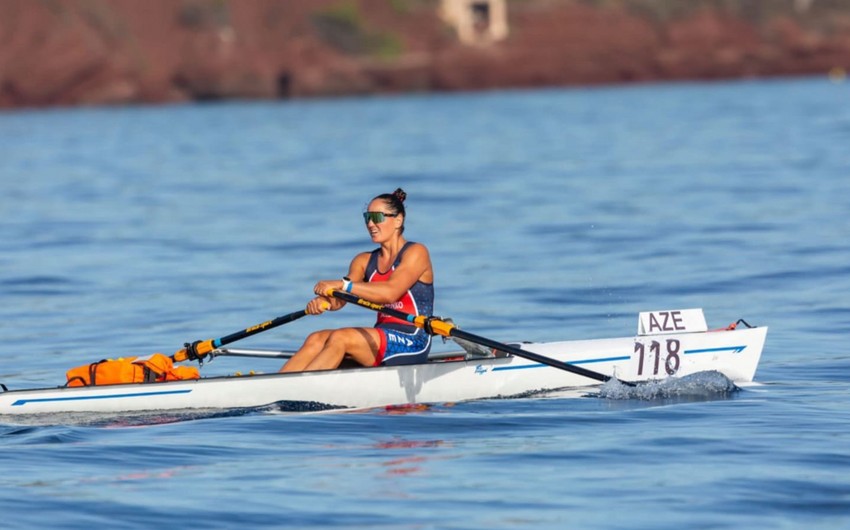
<point x="531" y="356"/>
<point x="259" y="328"/>
<point x="204" y="347"/>
<point x="436" y="326"/>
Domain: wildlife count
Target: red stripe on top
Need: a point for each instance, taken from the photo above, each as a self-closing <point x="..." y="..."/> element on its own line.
<point x="406" y="304"/>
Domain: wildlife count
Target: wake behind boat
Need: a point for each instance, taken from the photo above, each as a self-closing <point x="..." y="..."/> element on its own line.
<point x="667" y="344"/>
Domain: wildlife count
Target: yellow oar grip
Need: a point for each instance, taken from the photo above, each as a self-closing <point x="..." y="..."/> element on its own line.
<point x="437" y="326"/>
<point x="204" y="347"/>
<point x="201" y="348"/>
<point x="442" y="328"/>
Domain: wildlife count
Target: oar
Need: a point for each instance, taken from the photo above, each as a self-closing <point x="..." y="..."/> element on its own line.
<point x="199" y="348"/>
<point x="437" y="326"/>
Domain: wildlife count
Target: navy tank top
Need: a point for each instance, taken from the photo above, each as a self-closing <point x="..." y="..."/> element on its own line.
<point x="418" y="300"/>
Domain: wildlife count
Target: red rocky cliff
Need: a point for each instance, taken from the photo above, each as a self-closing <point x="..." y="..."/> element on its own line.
<point x="67" y="52"/>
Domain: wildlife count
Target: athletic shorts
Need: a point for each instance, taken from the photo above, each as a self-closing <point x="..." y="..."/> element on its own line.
<point x="398" y="347"/>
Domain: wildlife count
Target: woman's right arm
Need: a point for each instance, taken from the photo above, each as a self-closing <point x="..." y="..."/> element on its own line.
<point x="322" y="303"/>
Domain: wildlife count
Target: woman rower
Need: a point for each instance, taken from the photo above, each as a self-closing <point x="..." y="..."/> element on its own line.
<point x="398" y="274"/>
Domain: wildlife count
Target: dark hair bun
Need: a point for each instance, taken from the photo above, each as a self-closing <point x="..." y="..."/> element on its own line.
<point x="400" y="194"/>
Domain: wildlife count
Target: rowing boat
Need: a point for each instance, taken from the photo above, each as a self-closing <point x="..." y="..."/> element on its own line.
<point x="667" y="344"/>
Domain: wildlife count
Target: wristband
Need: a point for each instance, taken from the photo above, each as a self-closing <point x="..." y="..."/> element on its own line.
<point x="346" y="284"/>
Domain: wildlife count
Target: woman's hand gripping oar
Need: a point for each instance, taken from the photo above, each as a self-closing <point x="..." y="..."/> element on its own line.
<point x="196" y="350"/>
<point x="437" y="326"/>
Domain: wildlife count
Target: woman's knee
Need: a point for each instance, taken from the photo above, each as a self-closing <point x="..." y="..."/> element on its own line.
<point x="355" y="340"/>
<point x="317" y="338"/>
<point x="338" y="337"/>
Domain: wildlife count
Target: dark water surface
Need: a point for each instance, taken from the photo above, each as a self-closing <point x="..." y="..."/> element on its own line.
<point x="550" y="215"/>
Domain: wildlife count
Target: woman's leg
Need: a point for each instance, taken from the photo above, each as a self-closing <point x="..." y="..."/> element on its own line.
<point x="325" y="349"/>
<point x="313" y="344"/>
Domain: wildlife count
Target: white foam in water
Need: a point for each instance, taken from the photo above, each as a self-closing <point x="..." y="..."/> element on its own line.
<point x="694" y="386"/>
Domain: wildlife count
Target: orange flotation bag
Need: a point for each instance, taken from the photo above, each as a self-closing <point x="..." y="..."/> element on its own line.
<point x="156" y="368"/>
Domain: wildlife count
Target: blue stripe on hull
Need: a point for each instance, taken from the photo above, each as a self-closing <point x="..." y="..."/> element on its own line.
<point x="20" y="402"/>
<point x="585" y="361"/>
<point x="733" y="349"/>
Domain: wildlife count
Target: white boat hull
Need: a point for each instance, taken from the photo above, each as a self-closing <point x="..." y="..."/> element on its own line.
<point x="734" y="353"/>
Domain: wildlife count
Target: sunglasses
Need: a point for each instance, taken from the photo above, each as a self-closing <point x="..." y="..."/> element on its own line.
<point x="377" y="217"/>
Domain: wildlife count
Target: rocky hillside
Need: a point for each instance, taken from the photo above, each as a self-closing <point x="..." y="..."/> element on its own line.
<point x="69" y="52"/>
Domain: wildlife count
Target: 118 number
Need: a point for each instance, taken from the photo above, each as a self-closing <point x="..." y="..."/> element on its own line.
<point x="671" y="363"/>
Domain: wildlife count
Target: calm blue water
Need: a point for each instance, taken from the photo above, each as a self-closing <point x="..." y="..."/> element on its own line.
<point x="554" y="214"/>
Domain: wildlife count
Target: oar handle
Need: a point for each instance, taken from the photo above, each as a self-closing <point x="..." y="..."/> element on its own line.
<point x="437" y="326"/>
<point x="198" y="349"/>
